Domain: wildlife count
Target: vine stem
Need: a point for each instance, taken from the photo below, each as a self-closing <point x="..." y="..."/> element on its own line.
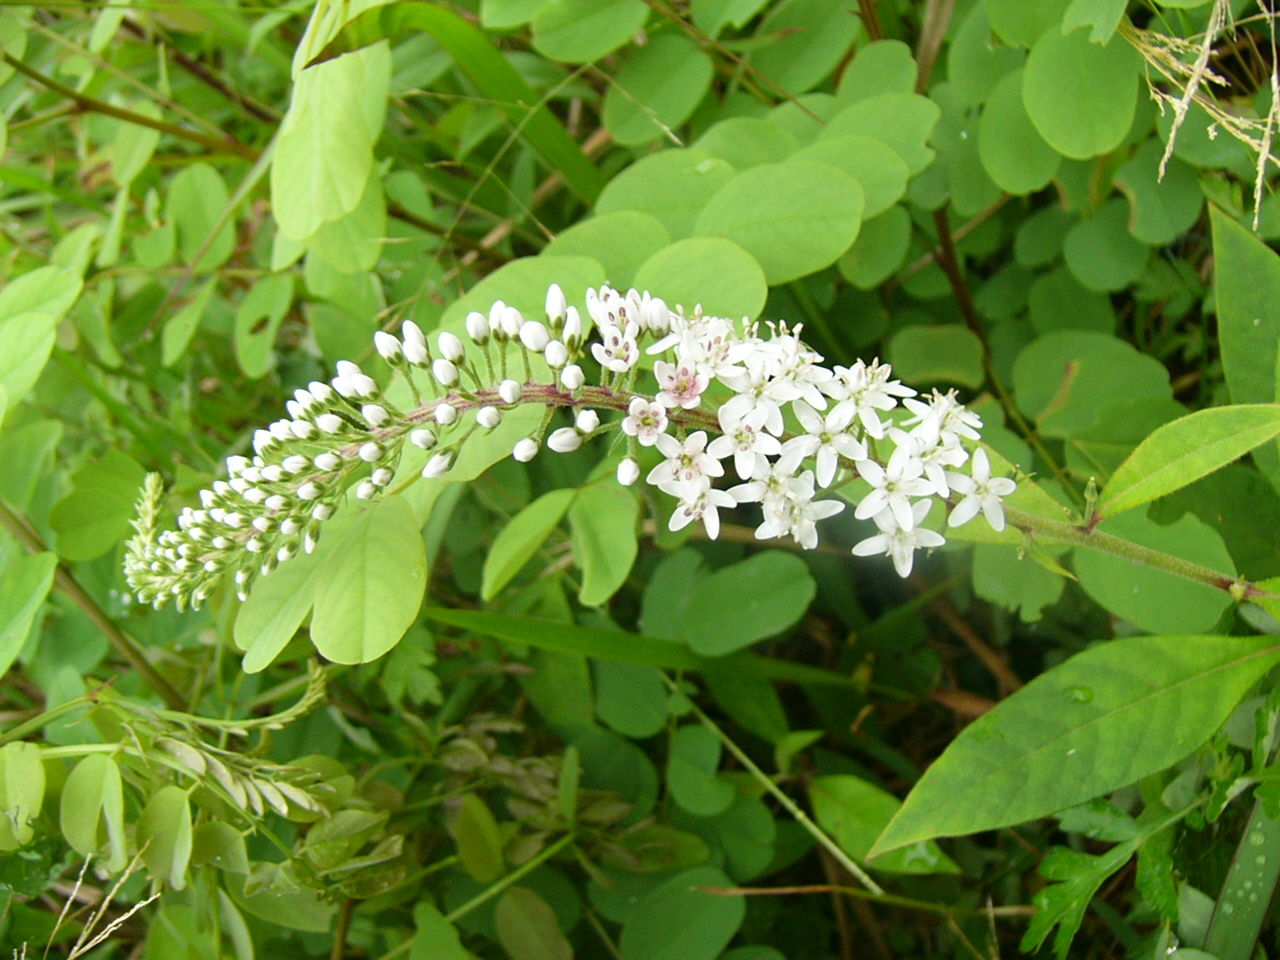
<point x="69" y="585"/>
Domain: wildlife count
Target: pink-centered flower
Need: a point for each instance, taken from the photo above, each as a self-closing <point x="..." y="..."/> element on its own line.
<point x="679" y="386"/>
<point x="688" y="469"/>
<point x="645" y="420"/>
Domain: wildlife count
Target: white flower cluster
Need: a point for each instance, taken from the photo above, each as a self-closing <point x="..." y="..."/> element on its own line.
<point x="789" y="426"/>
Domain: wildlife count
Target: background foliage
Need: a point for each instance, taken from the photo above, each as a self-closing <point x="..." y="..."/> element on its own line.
<point x="539" y="725"/>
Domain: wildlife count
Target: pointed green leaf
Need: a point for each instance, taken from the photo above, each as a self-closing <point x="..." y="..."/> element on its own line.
<point x="1247" y="295"/>
<point x="23" y="589"/>
<point x="528" y="929"/>
<point x="521" y="538"/>
<point x="164" y="835"/>
<point x="1185" y="450"/>
<point x="434" y="937"/>
<point x="92" y="809"/>
<point x="478" y="838"/>
<point x="1103" y="719"/>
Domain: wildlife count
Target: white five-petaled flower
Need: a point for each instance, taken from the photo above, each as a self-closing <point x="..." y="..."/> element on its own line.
<point x="900" y="542"/>
<point x="688" y="470"/>
<point x="617" y="349"/>
<point x="704" y="507"/>
<point x="746" y="441"/>
<point x="981" y="492"/>
<point x="645" y="421"/>
<point x="826" y="437"/>
<point x="679" y="385"/>
<point x="892" y="487"/>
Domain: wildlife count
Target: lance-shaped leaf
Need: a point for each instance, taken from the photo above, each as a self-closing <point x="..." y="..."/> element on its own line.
<point x="1181" y="452"/>
<point x="1101" y="720"/>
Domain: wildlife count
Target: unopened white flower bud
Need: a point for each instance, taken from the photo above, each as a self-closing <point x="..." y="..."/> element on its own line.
<point x="375" y="414"/>
<point x="525" y="450"/>
<point x="534" y="335"/>
<point x="281" y="430"/>
<point x="321" y="512"/>
<point x="446" y="413"/>
<point x="370" y="453"/>
<point x="263" y="441"/>
<point x="301" y="429"/>
<point x="488" y="417"/>
<point x="388" y="346"/>
<point x="412" y="333"/>
<point x="478" y="328"/>
<point x="556" y="355"/>
<point x="275" y="502"/>
<point x="555" y="304"/>
<point x="254" y="545"/>
<point x="587" y="420"/>
<point x="512" y="321"/>
<point x="495" y="321"/>
<point x="628" y="471"/>
<point x="308" y="491"/>
<point x="380" y="477"/>
<point x="510" y="391"/>
<point x="236" y="465"/>
<point x="572" y="377"/>
<point x="272" y="473"/>
<point x="329" y="422"/>
<point x="327" y="461"/>
<point x="320" y="390"/>
<point x="290" y="526"/>
<point x="366" y="490"/>
<point x="445" y="372"/>
<point x="450" y="346"/>
<point x="423" y="439"/>
<point x="438" y="465"/>
<point x="572" y="327"/>
<point x="294" y="409"/>
<point x="284" y="554"/>
<point x="293" y="464"/>
<point x="564" y="440"/>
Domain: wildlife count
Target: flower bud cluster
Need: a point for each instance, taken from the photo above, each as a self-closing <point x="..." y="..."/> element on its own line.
<point x="738" y="413"/>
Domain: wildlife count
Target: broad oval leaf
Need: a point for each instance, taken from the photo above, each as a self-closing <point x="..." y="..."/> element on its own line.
<point x="748" y="601"/>
<point x="92" y="809"/>
<point x="602" y="522"/>
<point x="21" y="793"/>
<point x="794" y="217"/>
<point x="679" y="922"/>
<point x="1185" y="450"/>
<point x="369" y="589"/>
<point x="23" y="589"/>
<point x="165" y="837"/>
<point x="712" y="271"/>
<point x="1103" y="719"/>
<point x="527" y="927"/>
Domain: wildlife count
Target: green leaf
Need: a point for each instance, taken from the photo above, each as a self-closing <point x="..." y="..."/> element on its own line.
<point x="1013" y="153"/>
<point x="794" y="217"/>
<point x="369" y="589"/>
<point x="258" y="320"/>
<point x="1247" y="298"/>
<point x="434" y="937"/>
<point x="1099" y="721"/>
<point x="1020" y="23"/>
<point x="1103" y="16"/>
<point x="602" y="524"/>
<point x="478" y="838"/>
<point x="134" y="144"/>
<point x="875" y="165"/>
<point x="1002" y="575"/>
<point x="579" y="31"/>
<point x="527" y="927"/>
<point x="855" y="812"/>
<point x="630" y="697"/>
<point x="21" y="793"/>
<point x="196" y="205"/>
<point x="1185" y="450"/>
<point x="881" y="246"/>
<point x="748" y="601"/>
<point x="92" y="809"/>
<point x="1161" y="208"/>
<point x="1156" y="601"/>
<point x="1102" y="253"/>
<point x="671" y="185"/>
<point x="220" y="845"/>
<point x="1080" y="96"/>
<point x="621" y="241"/>
<point x="353" y="242"/>
<point x="24" y="585"/>
<point x="657" y="89"/>
<point x="949" y="353"/>
<point x="523" y="284"/>
<point x="164" y="835"/>
<point x="1077" y="877"/>
<point x="975" y="64"/>
<point x="712" y="16"/>
<point x="182" y="326"/>
<point x="805" y="40"/>
<point x="883" y="66"/>
<point x="30" y="308"/>
<point x="716" y="273"/>
<point x="747" y="142"/>
<point x="680" y="922"/>
<point x="324" y="148"/>
<point x="903" y="121"/>
<point x="95" y="515"/>
<point x="619" y="646"/>
<point x="692" y="764"/>
<point x="521" y="538"/>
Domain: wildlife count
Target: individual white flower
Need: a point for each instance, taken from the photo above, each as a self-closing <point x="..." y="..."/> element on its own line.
<point x="617" y="349"/>
<point x="949" y="417"/>
<point x="586" y="421"/>
<point x="981" y="492"/>
<point x="445" y="414"/>
<point x="450" y="347"/>
<point x="898" y="542"/>
<point x="704" y="507"/>
<point x="534" y="336"/>
<point x="388" y="346"/>
<point x="572" y="377"/>
<point x="645" y="420"/>
<point x="556" y="303"/>
<point x="825" y="436"/>
<point x="628" y="471"/>
<point x="805" y="516"/>
<point x="892" y="486"/>
<point x="865" y="391"/>
<point x="688" y="469"/>
<point x="564" y="440"/>
<point x="525" y="450"/>
<point x="746" y="441"/>
<point x="679" y="386"/>
<point x="512" y="320"/>
<point x="423" y="438"/>
<point x="477" y="325"/>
